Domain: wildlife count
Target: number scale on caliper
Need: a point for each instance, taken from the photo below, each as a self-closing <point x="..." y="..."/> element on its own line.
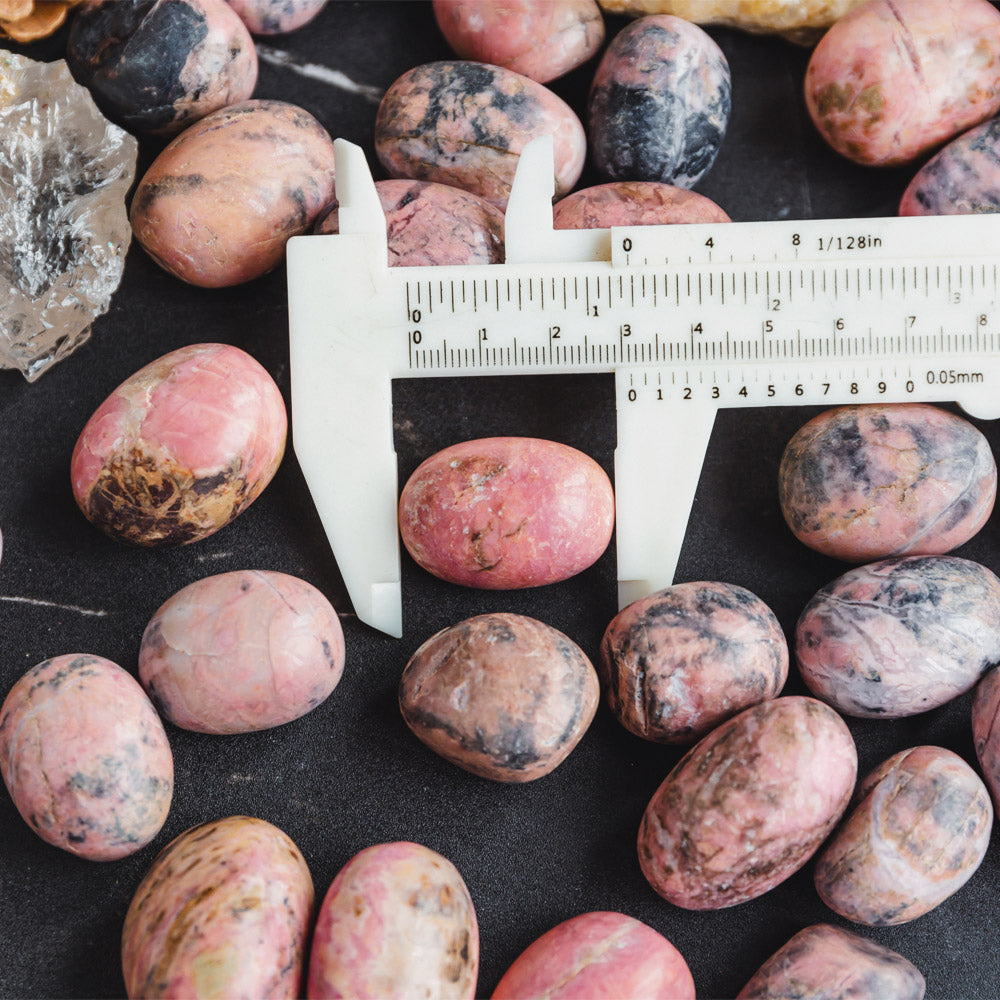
<point x="689" y="318"/>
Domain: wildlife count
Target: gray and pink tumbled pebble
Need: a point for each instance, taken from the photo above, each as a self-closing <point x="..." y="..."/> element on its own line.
<point x="224" y="911"/>
<point x="501" y="695"/>
<point x="962" y="179"/>
<point x="397" y="921"/>
<point x="242" y="651"/>
<point x="276" y="17"/>
<point x="892" y="79"/>
<point x="85" y="758"/>
<point x="919" y="830"/>
<point x="862" y="482"/>
<point x="659" y="103"/>
<point x="536" y="38"/>
<point x="431" y="224"/>
<point x="676" y="664"/>
<point x="181" y="447"/>
<point x="900" y="636"/>
<point x="633" y="203"/>
<point x="823" y="962"/>
<point x="465" y="124"/>
<point x="986" y="730"/>
<point x="218" y="205"/>
<point x="599" y="954"/>
<point x="159" y="65"/>
<point x="749" y="805"/>
<point x="507" y="512"/>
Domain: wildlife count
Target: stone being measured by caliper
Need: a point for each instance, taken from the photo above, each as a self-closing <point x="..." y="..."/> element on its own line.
<point x="689" y="318"/>
<point x="64" y="174"/>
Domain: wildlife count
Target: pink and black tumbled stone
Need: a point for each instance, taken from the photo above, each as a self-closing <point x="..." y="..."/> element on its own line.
<point x="159" y="65"/>
<point x="659" y="104"/>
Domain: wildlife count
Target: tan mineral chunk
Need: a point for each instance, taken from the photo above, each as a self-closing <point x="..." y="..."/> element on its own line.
<point x="24" y="21"/>
<point x="800" y="21"/>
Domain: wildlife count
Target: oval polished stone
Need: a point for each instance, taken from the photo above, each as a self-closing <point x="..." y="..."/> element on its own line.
<point x="748" y="806"/>
<point x="224" y="911"/>
<point x="659" y="104"/>
<point x="676" y="664"/>
<point x="85" y="758"/>
<point x="890" y="81"/>
<point x="918" y="832"/>
<point x="986" y="730"/>
<point x="599" y="954"/>
<point x="397" y="921"/>
<point x="218" y="205"/>
<point x="963" y="179"/>
<point x="501" y="695"/>
<point x="503" y="513"/>
<point x="633" y="203"/>
<point x="900" y="636"/>
<point x="157" y="66"/>
<point x="862" y="482"/>
<point x="241" y="651"/>
<point x="180" y="447"/>
<point x="465" y="124"/>
<point x="823" y="962"/>
<point x="430" y="224"/>
<point x="276" y="17"/>
<point x="537" y="38"/>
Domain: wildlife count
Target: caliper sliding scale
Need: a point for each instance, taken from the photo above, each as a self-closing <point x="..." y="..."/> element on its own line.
<point x="689" y="318"/>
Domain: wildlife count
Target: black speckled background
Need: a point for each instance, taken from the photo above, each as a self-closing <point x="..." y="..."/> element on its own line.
<point x="350" y="774"/>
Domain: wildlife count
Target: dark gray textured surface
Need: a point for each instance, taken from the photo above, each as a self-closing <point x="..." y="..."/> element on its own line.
<point x="351" y="774"/>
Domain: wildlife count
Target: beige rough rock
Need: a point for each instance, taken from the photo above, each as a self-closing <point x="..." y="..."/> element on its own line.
<point x="800" y="21"/>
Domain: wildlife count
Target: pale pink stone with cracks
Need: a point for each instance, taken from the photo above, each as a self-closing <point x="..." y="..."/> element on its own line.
<point x="85" y="758"/>
<point x="600" y="954"/>
<point x="397" y="922"/>
<point x="633" y="203"/>
<point x="180" y="447"/>
<point x="242" y="651"/>
<point x="224" y="911"/>
<point x="537" y="38"/>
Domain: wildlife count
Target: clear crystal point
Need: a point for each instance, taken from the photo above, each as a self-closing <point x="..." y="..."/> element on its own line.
<point x="64" y="173"/>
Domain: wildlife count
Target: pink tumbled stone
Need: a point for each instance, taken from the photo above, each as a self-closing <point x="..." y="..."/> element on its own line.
<point x="507" y="512"/>
<point x="918" y="833"/>
<point x="242" y="651"/>
<point x="986" y="729"/>
<point x="633" y="203"/>
<point x="180" y="447"/>
<point x="397" y="922"/>
<point x="223" y="912"/>
<point x="85" y="758"/>
<point x="537" y="38"/>
<point x="431" y="224"/>
<point x="276" y="17"/>
<point x="894" y="78"/>
<point x="465" y="124"/>
<point x="599" y="954"/>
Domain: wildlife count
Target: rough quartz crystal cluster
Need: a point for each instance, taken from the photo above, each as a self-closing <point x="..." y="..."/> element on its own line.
<point x="64" y="173"/>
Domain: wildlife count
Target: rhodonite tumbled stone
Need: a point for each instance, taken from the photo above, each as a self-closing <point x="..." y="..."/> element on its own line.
<point x="900" y="636"/>
<point x="676" y="664"/>
<point x="659" y="104"/>
<point x="465" y="124"/>
<point x="862" y="482"/>
<point x="963" y="179"/>
<point x="507" y="512"/>
<point x="180" y="447"/>
<point x="85" y="758"/>
<point x="633" y="203"/>
<point x="537" y="38"/>
<point x="428" y="224"/>
<point x="218" y="205"/>
<point x="241" y="651"/>
<point x="919" y="830"/>
<point x="894" y="78"/>
<point x="599" y="954"/>
<point x="159" y="65"/>
<point x="276" y="17"/>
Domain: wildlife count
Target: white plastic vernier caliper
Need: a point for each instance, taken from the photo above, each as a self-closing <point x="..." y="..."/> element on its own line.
<point x="689" y="318"/>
